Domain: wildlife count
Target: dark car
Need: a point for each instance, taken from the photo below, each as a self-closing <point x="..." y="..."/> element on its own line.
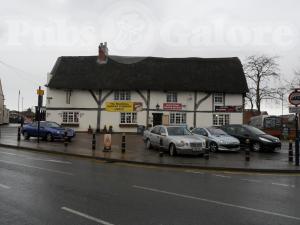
<point x="48" y="131"/>
<point x="259" y="140"/>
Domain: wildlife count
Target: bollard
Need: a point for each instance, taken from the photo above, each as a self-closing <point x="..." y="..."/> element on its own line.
<point x="291" y="157"/>
<point x="19" y="133"/>
<point x="94" y="141"/>
<point x="123" y="145"/>
<point x="161" y="150"/>
<point x="247" y="150"/>
<point x="206" y="152"/>
<point x="107" y="143"/>
<point x="65" y="139"/>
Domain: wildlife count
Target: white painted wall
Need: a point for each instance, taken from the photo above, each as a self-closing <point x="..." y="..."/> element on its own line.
<point x="88" y="115"/>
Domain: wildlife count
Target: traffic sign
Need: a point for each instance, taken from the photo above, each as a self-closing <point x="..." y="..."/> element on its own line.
<point x="293" y="109"/>
<point x="40" y="92"/>
<point x="294" y="98"/>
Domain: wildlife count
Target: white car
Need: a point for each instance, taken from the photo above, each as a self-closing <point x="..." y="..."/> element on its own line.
<point x="175" y="139"/>
<point x="218" y="140"/>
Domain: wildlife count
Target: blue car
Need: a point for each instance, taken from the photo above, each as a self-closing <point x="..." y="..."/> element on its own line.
<point x="48" y="131"/>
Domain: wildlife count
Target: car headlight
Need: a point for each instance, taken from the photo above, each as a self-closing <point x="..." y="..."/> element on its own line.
<point x="182" y="143"/>
<point x="58" y="132"/>
<point x="264" y="139"/>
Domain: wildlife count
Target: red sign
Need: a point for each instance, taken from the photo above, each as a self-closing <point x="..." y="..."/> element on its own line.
<point x="172" y="106"/>
<point x="229" y="108"/>
<point x="294" y="98"/>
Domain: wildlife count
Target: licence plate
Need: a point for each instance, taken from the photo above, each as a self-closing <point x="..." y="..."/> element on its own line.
<point x="196" y="149"/>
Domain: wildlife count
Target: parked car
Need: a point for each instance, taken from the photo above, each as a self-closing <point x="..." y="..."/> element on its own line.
<point x="175" y="139"/>
<point x="259" y="140"/>
<point x="218" y="140"/>
<point x="48" y="131"/>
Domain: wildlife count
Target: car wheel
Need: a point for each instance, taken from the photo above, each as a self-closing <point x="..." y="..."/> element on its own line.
<point x="256" y="147"/>
<point x="172" y="150"/>
<point x="49" y="137"/>
<point x="26" y="135"/>
<point x="148" y="144"/>
<point x="213" y="147"/>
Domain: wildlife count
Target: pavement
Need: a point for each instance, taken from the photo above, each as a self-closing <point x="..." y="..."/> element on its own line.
<point x="49" y="189"/>
<point x="137" y="153"/>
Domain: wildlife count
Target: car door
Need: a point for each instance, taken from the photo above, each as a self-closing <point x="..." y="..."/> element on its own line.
<point x="242" y="134"/>
<point x="32" y="129"/>
<point x="165" y="143"/>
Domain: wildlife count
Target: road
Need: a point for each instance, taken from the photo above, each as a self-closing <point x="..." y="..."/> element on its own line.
<point x="40" y="189"/>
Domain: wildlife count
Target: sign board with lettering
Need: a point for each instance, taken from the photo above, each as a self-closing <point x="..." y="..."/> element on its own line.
<point x="229" y="108"/>
<point x="123" y="106"/>
<point x="294" y="97"/>
<point x="172" y="106"/>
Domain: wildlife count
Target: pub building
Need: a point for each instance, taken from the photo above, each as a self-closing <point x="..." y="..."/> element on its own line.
<point x="128" y="92"/>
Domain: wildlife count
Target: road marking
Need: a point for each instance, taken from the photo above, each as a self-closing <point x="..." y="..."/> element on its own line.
<point x="192" y="171"/>
<point x="4" y="186"/>
<point x="252" y="180"/>
<point x="284" y="185"/>
<point x="223" y="176"/>
<point x="86" y="216"/>
<point x="36" y="167"/>
<point x="217" y="202"/>
<point x="39" y="159"/>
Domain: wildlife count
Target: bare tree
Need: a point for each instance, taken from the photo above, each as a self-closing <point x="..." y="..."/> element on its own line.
<point x="260" y="71"/>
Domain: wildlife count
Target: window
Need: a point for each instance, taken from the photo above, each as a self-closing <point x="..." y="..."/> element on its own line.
<point x="171" y="96"/>
<point x="70" y="117"/>
<point x="129" y="118"/>
<point x="122" y="95"/>
<point x="177" y="118"/>
<point x="218" y="99"/>
<point x="220" y="119"/>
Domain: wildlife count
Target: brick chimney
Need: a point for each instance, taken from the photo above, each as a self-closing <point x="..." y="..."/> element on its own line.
<point x="102" y="53"/>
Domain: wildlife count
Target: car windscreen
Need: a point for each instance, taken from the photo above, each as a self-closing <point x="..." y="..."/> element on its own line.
<point x="53" y="125"/>
<point x="178" y="131"/>
<point x="215" y="131"/>
<point x="255" y="130"/>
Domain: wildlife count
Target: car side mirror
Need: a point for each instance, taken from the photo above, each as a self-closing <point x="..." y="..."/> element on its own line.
<point x="163" y="134"/>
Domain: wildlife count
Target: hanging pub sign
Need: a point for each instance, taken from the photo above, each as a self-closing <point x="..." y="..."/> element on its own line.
<point x="229" y="108"/>
<point x="172" y="106"/>
<point x="123" y="106"/>
<point x="294" y="97"/>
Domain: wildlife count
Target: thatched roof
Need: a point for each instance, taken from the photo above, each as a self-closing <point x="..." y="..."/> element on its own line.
<point x="153" y="73"/>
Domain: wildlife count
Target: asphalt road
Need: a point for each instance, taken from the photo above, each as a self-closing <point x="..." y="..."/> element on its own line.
<point x="45" y="189"/>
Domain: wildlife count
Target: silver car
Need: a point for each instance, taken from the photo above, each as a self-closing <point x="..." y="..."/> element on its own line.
<point x="218" y="140"/>
<point x="175" y="139"/>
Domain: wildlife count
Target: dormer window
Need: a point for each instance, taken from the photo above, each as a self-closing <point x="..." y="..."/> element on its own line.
<point x="171" y="96"/>
<point x="219" y="99"/>
<point x="122" y="95"/>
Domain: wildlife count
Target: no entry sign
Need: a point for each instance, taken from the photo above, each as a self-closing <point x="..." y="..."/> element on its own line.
<point x="294" y="98"/>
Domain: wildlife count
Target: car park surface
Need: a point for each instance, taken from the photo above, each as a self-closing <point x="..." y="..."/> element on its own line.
<point x="258" y="140"/>
<point x="218" y="140"/>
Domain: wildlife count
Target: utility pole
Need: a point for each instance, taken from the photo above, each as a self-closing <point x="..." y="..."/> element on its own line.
<point x="19" y="106"/>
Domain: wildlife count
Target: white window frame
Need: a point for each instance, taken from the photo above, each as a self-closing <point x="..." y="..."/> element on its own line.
<point x="172" y="96"/>
<point x="122" y="95"/>
<point x="177" y="118"/>
<point x="219" y="99"/>
<point x="221" y="119"/>
<point x="128" y="118"/>
<point x="70" y="117"/>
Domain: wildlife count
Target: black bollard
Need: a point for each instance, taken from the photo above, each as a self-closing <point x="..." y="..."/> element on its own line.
<point x="65" y="139"/>
<point x="161" y="150"/>
<point x="291" y="156"/>
<point x="206" y="152"/>
<point x="19" y="133"/>
<point x="123" y="145"/>
<point x="94" y="141"/>
<point x="247" y="150"/>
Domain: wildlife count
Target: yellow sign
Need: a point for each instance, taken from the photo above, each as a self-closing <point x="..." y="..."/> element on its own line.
<point x="123" y="106"/>
<point x="119" y="106"/>
<point x="40" y="92"/>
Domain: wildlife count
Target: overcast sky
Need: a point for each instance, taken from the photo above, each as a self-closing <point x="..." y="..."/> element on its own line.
<point x="34" y="33"/>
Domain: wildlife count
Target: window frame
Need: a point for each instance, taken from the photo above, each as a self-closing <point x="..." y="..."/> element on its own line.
<point x="70" y="117"/>
<point x="128" y="118"/>
<point x="177" y="116"/>
<point x="122" y="95"/>
<point x="220" y="119"/>
<point x="219" y="96"/>
<point x="172" y="96"/>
